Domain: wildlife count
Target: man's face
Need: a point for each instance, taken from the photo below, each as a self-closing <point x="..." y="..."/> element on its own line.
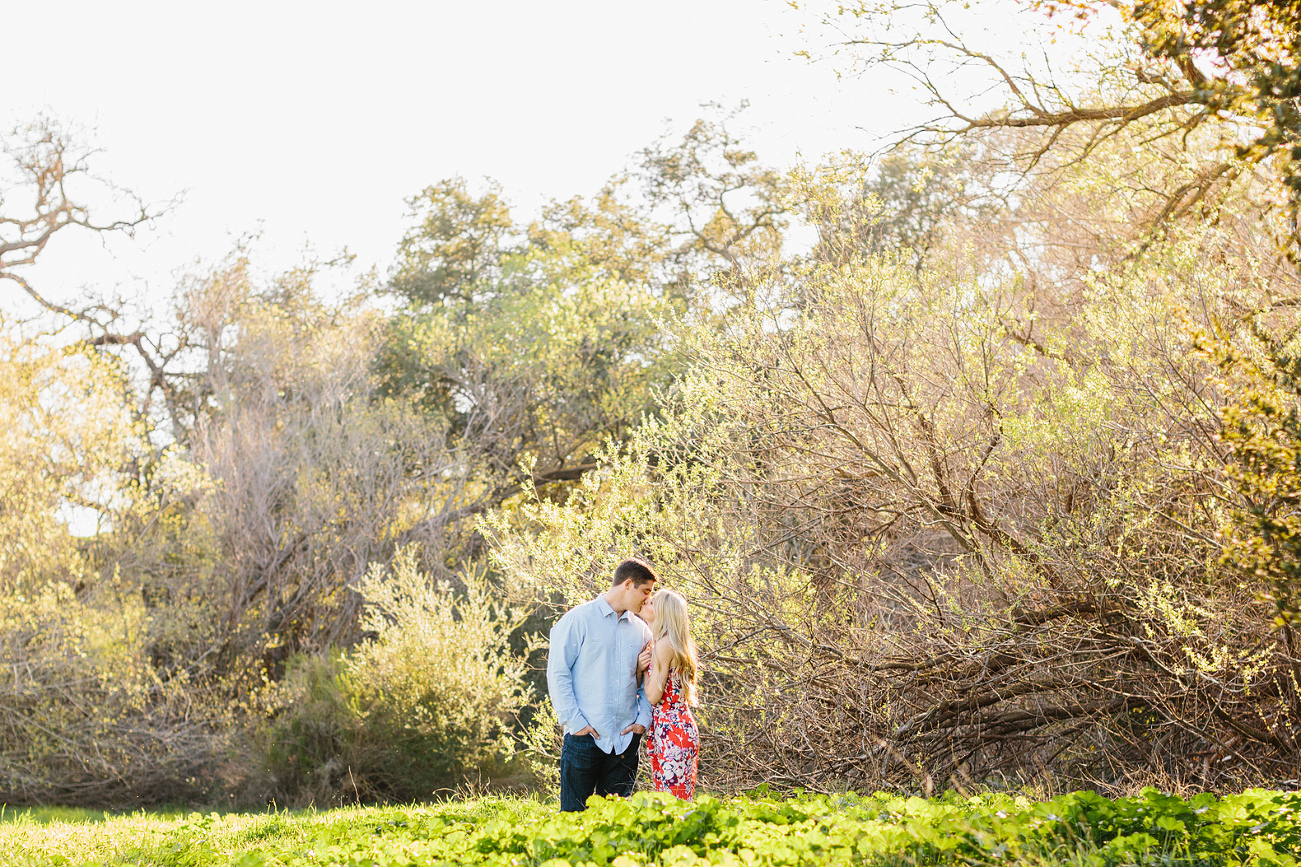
<point x="635" y="596"/>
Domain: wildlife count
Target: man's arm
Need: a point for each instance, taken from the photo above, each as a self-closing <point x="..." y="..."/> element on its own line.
<point x="566" y="640"/>
<point x="643" y="708"/>
<point x="643" y="719"/>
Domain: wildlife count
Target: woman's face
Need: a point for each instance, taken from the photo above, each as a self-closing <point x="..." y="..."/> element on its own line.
<point x="647" y="612"/>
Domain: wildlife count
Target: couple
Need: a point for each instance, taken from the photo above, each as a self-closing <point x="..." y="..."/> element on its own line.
<point x="614" y="676"/>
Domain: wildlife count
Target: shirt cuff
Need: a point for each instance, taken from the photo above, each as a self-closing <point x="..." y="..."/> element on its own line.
<point x="577" y="723"/>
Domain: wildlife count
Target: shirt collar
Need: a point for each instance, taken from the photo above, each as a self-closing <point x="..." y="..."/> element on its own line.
<point x="606" y="609"/>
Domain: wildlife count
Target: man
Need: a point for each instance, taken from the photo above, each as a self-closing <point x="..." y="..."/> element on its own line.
<point x="592" y="675"/>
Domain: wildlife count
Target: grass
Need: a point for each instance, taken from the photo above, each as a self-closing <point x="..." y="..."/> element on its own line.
<point x="45" y="815"/>
<point x="61" y="837"/>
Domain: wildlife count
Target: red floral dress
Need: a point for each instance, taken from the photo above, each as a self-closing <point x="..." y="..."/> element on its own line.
<point x="673" y="742"/>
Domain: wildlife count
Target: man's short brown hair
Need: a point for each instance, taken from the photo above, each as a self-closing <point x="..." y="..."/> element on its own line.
<point x="639" y="571"/>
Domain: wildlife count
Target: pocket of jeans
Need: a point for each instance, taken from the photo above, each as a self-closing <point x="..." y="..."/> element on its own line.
<point x="580" y="751"/>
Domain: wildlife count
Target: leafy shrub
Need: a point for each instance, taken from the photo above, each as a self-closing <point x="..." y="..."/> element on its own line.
<point x="84" y="718"/>
<point x="427" y="705"/>
<point x="542" y="740"/>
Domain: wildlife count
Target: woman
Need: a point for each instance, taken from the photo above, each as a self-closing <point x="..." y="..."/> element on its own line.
<point x="673" y="740"/>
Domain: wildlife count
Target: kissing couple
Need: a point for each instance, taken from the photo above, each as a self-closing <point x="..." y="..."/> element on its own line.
<point x="621" y="666"/>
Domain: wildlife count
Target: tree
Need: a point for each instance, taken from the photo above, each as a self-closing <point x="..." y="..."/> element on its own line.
<point x="1098" y="69"/>
<point x="311" y="476"/>
<point x="725" y="212"/>
<point x="454" y="255"/>
<point x="530" y="361"/>
<point x="66" y="437"/>
<point x="52" y="172"/>
<point x="1240" y="59"/>
<point x="50" y="167"/>
<point x="87" y="718"/>
<point x="535" y="343"/>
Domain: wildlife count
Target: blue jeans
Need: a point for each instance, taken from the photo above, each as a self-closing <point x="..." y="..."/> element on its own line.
<point x="586" y="769"/>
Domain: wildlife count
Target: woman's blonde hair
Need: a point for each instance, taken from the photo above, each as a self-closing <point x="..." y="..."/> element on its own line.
<point x="673" y="625"/>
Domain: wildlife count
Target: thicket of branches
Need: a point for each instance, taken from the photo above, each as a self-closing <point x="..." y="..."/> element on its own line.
<point x="926" y="554"/>
<point x="955" y="513"/>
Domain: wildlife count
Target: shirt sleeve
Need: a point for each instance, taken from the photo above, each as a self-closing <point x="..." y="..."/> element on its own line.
<point x="643" y="703"/>
<point x="566" y="639"/>
<point x="643" y="708"/>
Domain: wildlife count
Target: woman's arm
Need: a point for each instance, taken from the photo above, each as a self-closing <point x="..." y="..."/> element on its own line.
<point x="644" y="661"/>
<point x="655" y="680"/>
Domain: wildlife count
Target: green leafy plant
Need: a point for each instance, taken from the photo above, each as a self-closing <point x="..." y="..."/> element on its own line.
<point x="427" y="705"/>
<point x="1262" y="432"/>
<point x="1254" y="829"/>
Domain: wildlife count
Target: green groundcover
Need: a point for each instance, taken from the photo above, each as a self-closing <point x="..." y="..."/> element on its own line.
<point x="1254" y="828"/>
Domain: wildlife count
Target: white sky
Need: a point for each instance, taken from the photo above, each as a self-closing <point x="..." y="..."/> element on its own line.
<point x="312" y="121"/>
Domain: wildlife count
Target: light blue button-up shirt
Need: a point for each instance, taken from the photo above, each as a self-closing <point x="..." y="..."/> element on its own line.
<point x="592" y="672"/>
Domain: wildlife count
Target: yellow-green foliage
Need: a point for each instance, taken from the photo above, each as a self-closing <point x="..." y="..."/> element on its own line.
<point x="440" y="665"/>
<point x="84" y="717"/>
<point x="426" y="704"/>
<point x="545" y="367"/>
<point x="64" y="433"/>
<point x="1262" y="429"/>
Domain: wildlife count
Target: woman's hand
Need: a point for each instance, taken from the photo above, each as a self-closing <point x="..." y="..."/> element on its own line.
<point x="655" y="680"/>
<point x="644" y="660"/>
